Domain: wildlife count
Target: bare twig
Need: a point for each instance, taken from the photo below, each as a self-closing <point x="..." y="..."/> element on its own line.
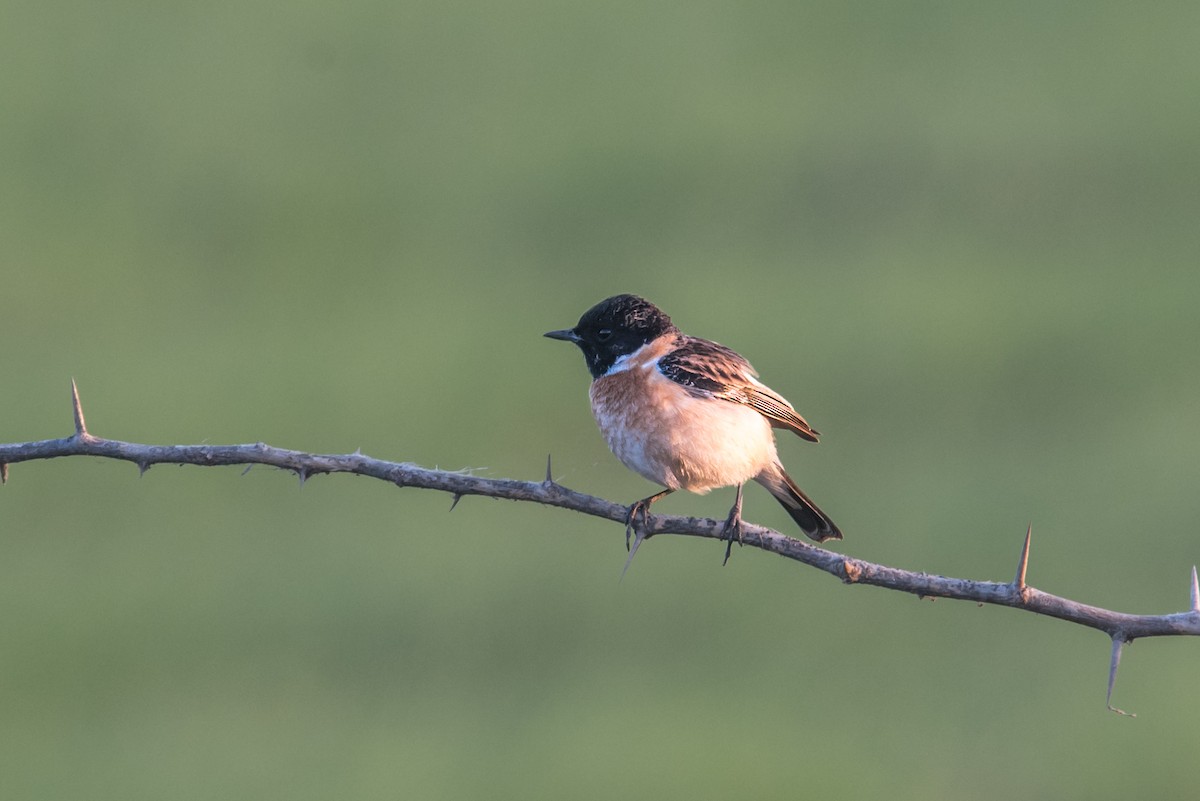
<point x="1122" y="628"/>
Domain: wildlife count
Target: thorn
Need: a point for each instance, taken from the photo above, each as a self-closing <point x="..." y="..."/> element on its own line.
<point x="549" y="478"/>
<point x="1118" y="644"/>
<point x="4" y="480"/>
<point x="1023" y="564"/>
<point x="303" y="475"/>
<point x="142" y="468"/>
<point x="1195" y="591"/>
<point x="77" y="409"/>
<point x="454" y="500"/>
<point x="247" y="470"/>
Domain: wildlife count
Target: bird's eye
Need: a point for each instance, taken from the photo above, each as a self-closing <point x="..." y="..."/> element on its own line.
<point x="604" y="334"/>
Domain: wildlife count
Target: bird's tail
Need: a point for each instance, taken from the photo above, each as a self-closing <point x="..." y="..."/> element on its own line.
<point x="816" y="524"/>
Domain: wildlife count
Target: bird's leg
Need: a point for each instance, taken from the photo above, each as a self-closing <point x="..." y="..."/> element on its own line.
<point x="642" y="506"/>
<point x="733" y="525"/>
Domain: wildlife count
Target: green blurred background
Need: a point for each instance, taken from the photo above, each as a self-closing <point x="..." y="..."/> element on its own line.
<point x="961" y="237"/>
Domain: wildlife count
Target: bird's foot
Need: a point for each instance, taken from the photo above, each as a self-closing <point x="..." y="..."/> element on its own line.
<point x="642" y="507"/>
<point x="642" y="530"/>
<point x="632" y="527"/>
<point x="733" y="526"/>
<point x="631" y="520"/>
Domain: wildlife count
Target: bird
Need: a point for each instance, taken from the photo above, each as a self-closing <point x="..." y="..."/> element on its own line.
<point x="686" y="413"/>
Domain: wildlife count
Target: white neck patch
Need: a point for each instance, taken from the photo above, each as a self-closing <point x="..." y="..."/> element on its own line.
<point x="622" y="363"/>
<point x="631" y="360"/>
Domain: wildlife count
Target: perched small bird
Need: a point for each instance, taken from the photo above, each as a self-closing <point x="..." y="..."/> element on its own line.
<point x="686" y="413"/>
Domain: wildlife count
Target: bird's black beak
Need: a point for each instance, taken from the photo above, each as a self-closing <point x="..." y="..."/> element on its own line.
<point x="566" y="335"/>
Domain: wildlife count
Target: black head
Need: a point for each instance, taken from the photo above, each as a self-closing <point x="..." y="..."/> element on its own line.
<point x="614" y="328"/>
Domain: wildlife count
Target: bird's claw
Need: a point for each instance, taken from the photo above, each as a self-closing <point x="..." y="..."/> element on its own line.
<point x="642" y="531"/>
<point x="631" y="523"/>
<point x="731" y="530"/>
<point x="733" y="526"/>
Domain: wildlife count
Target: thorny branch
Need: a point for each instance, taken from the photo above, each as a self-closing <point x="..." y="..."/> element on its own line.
<point x="1122" y="628"/>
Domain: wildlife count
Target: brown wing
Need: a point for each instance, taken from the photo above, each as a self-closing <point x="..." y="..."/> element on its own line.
<point x="707" y="369"/>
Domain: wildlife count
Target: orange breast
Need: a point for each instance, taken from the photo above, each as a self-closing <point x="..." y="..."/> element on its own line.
<point x="673" y="438"/>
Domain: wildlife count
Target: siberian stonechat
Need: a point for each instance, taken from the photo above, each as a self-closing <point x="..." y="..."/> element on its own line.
<point x="686" y="413"/>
